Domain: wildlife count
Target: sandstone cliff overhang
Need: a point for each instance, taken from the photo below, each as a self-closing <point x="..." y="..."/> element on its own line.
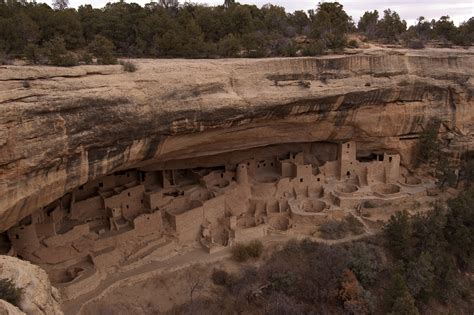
<point x="72" y="125"/>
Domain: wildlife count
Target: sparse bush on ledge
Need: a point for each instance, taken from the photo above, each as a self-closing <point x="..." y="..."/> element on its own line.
<point x="9" y="292"/>
<point x="243" y="252"/>
<point x="353" y="44"/>
<point x="128" y="66"/>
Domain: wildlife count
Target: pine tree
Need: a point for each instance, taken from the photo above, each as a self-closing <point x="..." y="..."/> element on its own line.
<point x="398" y="300"/>
<point x="398" y="235"/>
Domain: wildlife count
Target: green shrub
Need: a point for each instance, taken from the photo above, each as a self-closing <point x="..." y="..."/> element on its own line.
<point x="229" y="46"/>
<point x="314" y="49"/>
<point x="9" y="292"/>
<point x="398" y="299"/>
<point x="33" y="53"/>
<point x="242" y="252"/>
<point x="103" y="49"/>
<point x="353" y="44"/>
<point x="128" y="66"/>
<point x="255" y="249"/>
<point x="57" y="54"/>
<point x="4" y="59"/>
<point x="365" y="262"/>
<point x="445" y="173"/>
<point x="239" y="253"/>
<point x="67" y="60"/>
<point x="397" y="234"/>
<point x="87" y="58"/>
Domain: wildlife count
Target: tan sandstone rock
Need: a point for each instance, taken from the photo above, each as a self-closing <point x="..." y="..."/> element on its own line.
<point x="8" y="309"/>
<point x="77" y="124"/>
<point x="38" y="296"/>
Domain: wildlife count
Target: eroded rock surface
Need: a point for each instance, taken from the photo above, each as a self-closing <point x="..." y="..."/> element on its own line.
<point x="8" y="309"/>
<point x="38" y="296"/>
<point x="74" y="125"/>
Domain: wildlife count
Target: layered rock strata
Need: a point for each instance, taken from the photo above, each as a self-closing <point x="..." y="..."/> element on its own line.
<point x="71" y="126"/>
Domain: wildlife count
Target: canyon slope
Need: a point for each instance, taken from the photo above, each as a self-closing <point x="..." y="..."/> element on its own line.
<point x="62" y="127"/>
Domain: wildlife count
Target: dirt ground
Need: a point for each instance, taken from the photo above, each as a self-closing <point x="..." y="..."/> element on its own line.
<point x="161" y="293"/>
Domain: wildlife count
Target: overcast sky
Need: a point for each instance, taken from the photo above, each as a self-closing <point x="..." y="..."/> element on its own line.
<point x="458" y="10"/>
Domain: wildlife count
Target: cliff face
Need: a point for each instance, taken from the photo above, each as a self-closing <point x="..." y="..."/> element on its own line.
<point x="73" y="125"/>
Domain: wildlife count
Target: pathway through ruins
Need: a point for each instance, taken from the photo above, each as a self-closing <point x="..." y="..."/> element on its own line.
<point x="181" y="260"/>
<point x="194" y="256"/>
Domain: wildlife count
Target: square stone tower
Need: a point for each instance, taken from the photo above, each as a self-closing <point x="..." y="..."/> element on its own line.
<point x="347" y="159"/>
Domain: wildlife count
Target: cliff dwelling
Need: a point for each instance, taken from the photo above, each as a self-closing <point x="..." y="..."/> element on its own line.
<point x="114" y="222"/>
<point x="108" y="177"/>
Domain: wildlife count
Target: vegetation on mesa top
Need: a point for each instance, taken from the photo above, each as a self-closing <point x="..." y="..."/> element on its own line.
<point x="64" y="36"/>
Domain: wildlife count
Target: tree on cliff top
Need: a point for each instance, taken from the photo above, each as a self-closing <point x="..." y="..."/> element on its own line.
<point x="60" y="4"/>
<point x="391" y="26"/>
<point x="103" y="49"/>
<point x="195" y="31"/>
<point x="331" y="24"/>
<point x="169" y="4"/>
<point x="228" y="3"/>
<point x="368" y="24"/>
